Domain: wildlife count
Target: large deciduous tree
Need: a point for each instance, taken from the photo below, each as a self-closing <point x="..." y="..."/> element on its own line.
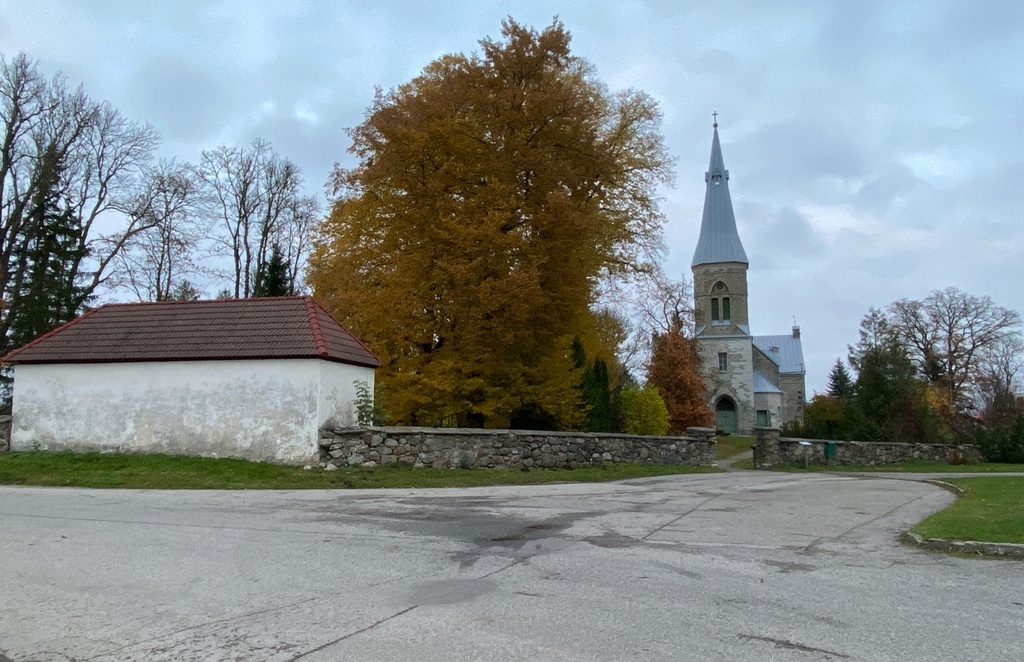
<point x="256" y="197"/>
<point x="997" y="384"/>
<point x="947" y="333"/>
<point x="160" y="258"/>
<point x="493" y="193"/>
<point x="85" y="160"/>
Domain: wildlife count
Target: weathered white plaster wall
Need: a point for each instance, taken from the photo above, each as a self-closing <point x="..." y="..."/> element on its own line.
<point x="260" y="410"/>
<point x="336" y="401"/>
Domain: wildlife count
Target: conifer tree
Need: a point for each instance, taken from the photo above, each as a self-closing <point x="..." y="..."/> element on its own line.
<point x="597" y="393"/>
<point x="840" y="384"/>
<point x="888" y="395"/>
<point x="184" y="291"/>
<point x="594" y="388"/>
<point x="46" y="294"/>
<point x="272" y="277"/>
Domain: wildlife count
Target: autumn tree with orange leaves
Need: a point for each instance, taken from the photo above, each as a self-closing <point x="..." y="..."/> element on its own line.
<point x="493" y="194"/>
<point x="665" y="327"/>
<point x="674" y="369"/>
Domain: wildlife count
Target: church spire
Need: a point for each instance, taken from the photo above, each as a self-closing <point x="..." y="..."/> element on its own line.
<point x="719" y="241"/>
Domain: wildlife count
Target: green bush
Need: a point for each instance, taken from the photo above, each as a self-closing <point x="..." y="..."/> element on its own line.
<point x="1003" y="444"/>
<point x="370" y="406"/>
<point x="643" y="411"/>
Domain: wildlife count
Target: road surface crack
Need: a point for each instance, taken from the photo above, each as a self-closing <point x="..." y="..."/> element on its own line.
<point x="351" y="634"/>
<point x="673" y="521"/>
<point x="782" y="643"/>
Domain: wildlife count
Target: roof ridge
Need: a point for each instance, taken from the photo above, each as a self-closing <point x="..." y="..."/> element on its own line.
<point x="50" y="333"/>
<point x="345" y="329"/>
<point x="314" y="325"/>
<point x="182" y="302"/>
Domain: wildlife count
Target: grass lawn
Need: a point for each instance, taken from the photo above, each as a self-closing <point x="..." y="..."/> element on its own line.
<point x="911" y="466"/>
<point x="174" y="472"/>
<point x="730" y="445"/>
<point x="991" y="510"/>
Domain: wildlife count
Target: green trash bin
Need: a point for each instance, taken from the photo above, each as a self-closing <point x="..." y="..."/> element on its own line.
<point x="830" y="451"/>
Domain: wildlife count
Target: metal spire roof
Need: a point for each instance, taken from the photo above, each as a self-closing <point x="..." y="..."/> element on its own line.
<point x="719" y="241"/>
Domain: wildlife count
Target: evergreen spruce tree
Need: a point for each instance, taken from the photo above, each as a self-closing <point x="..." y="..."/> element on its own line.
<point x="840" y="384"/>
<point x="889" y="399"/>
<point x="594" y="388"/>
<point x="597" y="393"/>
<point x="184" y="291"/>
<point x="46" y="294"/>
<point x="272" y="277"/>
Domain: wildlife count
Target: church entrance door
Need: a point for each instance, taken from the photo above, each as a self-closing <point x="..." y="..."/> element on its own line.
<point x="725" y="414"/>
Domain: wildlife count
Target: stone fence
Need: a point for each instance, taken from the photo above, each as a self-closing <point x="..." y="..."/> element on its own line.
<point x="5" y="433"/>
<point x="508" y="449"/>
<point x="772" y="450"/>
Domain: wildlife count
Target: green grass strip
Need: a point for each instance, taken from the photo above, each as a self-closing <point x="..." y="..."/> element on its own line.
<point x="911" y="466"/>
<point x="991" y="510"/>
<point x="730" y="445"/>
<point x="166" y="472"/>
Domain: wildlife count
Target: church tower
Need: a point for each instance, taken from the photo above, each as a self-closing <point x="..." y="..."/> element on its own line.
<point x="720" y="298"/>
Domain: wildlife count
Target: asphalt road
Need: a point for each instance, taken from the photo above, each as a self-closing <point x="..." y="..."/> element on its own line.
<point x="739" y="566"/>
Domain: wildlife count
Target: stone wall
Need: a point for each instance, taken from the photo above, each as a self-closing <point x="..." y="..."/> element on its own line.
<point x="772" y="450"/>
<point x="5" y="433"/>
<point x="508" y="449"/>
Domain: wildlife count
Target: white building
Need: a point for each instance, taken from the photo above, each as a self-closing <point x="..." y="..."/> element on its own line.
<point x="752" y="380"/>
<point x="251" y="378"/>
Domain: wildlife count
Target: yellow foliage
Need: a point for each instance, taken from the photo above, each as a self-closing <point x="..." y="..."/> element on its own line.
<point x="492" y="194"/>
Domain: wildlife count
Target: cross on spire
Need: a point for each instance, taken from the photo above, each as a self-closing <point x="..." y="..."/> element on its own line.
<point x="715" y="115"/>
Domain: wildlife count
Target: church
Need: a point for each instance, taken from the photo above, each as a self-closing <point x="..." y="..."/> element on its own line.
<point x="751" y="380"/>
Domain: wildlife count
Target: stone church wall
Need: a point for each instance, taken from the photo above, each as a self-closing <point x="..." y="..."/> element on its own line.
<point x="772" y="403"/>
<point x="737" y="382"/>
<point x="793" y="403"/>
<point x="734" y="275"/>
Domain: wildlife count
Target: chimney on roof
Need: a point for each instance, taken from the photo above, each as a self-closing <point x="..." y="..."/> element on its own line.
<point x="796" y="332"/>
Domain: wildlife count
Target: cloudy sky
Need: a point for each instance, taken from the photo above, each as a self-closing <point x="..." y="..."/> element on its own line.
<point x="876" y="149"/>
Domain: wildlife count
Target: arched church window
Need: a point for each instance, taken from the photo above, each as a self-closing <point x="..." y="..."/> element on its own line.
<point x="721" y="310"/>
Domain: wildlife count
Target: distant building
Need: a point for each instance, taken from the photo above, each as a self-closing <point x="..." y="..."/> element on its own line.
<point x="752" y="380"/>
<point x="251" y="378"/>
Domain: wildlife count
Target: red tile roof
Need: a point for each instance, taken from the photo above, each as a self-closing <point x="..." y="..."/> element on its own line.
<point x="271" y="328"/>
